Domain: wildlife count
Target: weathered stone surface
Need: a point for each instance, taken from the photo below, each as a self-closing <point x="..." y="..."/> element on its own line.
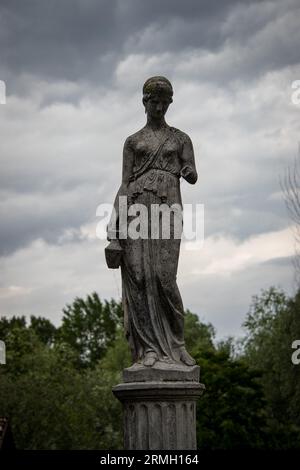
<point x="159" y="415"/>
<point x="160" y="389"/>
<point x="161" y="372"/>
<point x="154" y="160"/>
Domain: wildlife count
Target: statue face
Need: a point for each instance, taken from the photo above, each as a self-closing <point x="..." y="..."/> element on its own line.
<point x="157" y="106"/>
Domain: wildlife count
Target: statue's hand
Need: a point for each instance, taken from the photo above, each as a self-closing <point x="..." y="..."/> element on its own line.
<point x="189" y="174"/>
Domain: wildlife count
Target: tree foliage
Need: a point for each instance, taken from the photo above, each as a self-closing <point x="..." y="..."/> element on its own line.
<point x="56" y="385"/>
<point x="272" y="324"/>
<point x="90" y="327"/>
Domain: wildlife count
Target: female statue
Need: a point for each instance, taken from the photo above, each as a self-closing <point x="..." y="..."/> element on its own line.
<point x="154" y="159"/>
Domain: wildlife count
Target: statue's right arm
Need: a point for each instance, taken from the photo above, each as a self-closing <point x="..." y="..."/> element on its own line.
<point x="128" y="161"/>
<point x="127" y="168"/>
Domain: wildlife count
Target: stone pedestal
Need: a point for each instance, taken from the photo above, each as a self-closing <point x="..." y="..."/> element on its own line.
<point x="159" y="405"/>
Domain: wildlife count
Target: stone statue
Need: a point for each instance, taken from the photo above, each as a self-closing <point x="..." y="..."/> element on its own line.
<point x="154" y="160"/>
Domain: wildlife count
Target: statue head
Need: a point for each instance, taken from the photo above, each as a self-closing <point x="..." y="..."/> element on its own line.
<point x="157" y="96"/>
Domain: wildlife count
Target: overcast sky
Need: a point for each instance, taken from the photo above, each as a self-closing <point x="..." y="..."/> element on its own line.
<point x="74" y="71"/>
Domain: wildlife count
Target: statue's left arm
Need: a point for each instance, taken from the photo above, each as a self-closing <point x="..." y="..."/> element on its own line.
<point x="188" y="169"/>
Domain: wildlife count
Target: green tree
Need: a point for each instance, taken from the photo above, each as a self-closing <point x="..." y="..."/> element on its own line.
<point x="54" y="405"/>
<point x="44" y="329"/>
<point x="231" y="412"/>
<point x="198" y="335"/>
<point x="90" y="326"/>
<point x="272" y="324"/>
<point x="8" y="324"/>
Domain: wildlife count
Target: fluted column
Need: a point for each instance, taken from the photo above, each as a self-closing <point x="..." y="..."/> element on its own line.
<point x="159" y="415"/>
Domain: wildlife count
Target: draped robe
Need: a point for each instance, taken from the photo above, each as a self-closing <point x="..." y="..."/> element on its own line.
<point x="152" y="304"/>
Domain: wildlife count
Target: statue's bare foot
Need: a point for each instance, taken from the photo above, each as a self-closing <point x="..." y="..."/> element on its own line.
<point x="150" y="358"/>
<point x="186" y="358"/>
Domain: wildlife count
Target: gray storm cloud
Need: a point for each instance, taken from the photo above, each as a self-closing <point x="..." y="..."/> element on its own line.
<point x="74" y="72"/>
